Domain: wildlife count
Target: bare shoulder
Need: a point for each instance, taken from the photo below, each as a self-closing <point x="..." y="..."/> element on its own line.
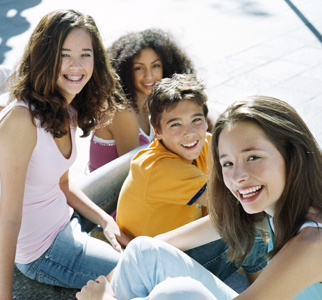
<point x="17" y="126"/>
<point x="18" y="117"/>
<point x="310" y="239"/>
<point x="127" y="114"/>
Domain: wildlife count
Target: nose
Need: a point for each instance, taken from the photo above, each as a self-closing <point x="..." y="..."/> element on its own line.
<point x="189" y="129"/>
<point x="75" y="62"/>
<point x="240" y="173"/>
<point x="148" y="73"/>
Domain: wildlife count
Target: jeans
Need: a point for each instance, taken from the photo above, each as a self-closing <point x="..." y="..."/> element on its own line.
<point x="213" y="255"/>
<point x="103" y="185"/>
<point x="72" y="259"/>
<point x="151" y="269"/>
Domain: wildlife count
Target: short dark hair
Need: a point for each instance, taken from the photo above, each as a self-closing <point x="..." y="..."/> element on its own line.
<point x="169" y="91"/>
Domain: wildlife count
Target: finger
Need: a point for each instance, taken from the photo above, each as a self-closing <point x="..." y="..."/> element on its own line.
<point x="101" y="279"/>
<point x="112" y="239"/>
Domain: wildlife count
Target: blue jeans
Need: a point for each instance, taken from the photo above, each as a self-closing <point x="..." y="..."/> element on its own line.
<point x="72" y="259"/>
<point x="213" y="257"/>
<point x="151" y="269"/>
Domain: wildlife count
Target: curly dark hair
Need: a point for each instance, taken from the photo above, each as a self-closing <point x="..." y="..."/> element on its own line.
<point x="303" y="159"/>
<point x="126" y="48"/>
<point x="35" y="79"/>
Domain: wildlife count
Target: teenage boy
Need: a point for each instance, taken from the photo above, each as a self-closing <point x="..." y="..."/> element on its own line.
<point x="165" y="188"/>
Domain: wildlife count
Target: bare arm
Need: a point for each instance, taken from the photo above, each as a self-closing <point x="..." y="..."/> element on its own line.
<point x="124" y="129"/>
<point x="87" y="208"/>
<point x="294" y="268"/>
<point x="18" y="138"/>
<point x="191" y="235"/>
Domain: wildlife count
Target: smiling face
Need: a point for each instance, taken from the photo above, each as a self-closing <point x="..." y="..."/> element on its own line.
<point x="77" y="63"/>
<point x="183" y="129"/>
<point x="147" y="70"/>
<point x="252" y="167"/>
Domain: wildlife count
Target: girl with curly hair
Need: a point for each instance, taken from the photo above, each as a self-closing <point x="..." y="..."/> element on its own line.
<point x="267" y="174"/>
<point x="64" y="80"/>
<point x="140" y="59"/>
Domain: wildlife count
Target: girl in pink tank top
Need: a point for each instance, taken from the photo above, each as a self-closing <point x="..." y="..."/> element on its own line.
<point x="140" y="59"/>
<point x="53" y="91"/>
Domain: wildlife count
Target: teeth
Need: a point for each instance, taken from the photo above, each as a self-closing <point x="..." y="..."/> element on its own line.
<point x="74" y="78"/>
<point x="190" y="145"/>
<point x="149" y="84"/>
<point x="250" y="192"/>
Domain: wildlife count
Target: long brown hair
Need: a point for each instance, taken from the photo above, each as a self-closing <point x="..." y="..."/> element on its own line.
<point x="35" y="80"/>
<point x="303" y="159"/>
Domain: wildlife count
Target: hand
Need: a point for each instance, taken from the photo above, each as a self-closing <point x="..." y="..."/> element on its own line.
<point x="114" y="234"/>
<point x="100" y="289"/>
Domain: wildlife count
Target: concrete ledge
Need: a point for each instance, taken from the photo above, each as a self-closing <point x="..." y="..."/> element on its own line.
<point x="27" y="289"/>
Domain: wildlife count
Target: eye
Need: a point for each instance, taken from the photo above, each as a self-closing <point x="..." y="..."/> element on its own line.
<point x="174" y="125"/>
<point x="253" y="157"/>
<point x="64" y="55"/>
<point x="197" y="119"/>
<point x="157" y="66"/>
<point x="86" y="55"/>
<point x="138" y="68"/>
<point x="226" y="164"/>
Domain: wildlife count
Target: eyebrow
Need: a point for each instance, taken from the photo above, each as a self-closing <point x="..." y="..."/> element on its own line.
<point x="243" y="151"/>
<point x="85" y="49"/>
<point x="143" y="63"/>
<point x="176" y="119"/>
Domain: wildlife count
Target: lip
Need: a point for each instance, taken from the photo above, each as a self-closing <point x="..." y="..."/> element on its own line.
<point x="192" y="147"/>
<point x="149" y="85"/>
<point x="68" y="77"/>
<point x="252" y="198"/>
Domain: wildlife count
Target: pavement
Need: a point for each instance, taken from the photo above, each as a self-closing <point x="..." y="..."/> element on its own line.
<point x="239" y="47"/>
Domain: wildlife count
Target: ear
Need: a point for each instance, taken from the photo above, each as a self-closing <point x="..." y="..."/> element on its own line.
<point x="158" y="133"/>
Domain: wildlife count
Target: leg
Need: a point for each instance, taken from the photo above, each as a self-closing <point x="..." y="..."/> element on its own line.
<point x="147" y="262"/>
<point x="104" y="184"/>
<point x="213" y="257"/>
<point x="72" y="259"/>
<point x="180" y="288"/>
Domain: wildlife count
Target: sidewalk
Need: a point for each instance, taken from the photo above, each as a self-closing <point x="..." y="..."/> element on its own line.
<point x="239" y="47"/>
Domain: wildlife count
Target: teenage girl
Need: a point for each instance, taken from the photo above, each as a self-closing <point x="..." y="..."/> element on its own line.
<point x="62" y="82"/>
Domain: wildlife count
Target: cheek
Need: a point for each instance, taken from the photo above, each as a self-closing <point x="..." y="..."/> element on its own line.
<point x="159" y="74"/>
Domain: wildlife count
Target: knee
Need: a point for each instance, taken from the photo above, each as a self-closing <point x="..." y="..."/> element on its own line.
<point x="181" y="288"/>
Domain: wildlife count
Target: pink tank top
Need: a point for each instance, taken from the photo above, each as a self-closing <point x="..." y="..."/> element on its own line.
<point x="102" y="153"/>
<point x="45" y="209"/>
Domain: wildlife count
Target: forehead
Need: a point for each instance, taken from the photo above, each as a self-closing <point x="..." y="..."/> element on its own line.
<point x="78" y="37"/>
<point x="147" y="54"/>
<point x="181" y="109"/>
<point x="243" y="135"/>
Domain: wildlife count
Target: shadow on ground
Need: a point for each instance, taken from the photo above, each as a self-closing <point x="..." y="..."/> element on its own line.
<point x="12" y="23"/>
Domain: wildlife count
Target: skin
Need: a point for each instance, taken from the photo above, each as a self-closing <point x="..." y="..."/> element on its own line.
<point x="285" y="275"/>
<point x="20" y="134"/>
<point x="147" y="70"/>
<point x="77" y="63"/>
<point x="246" y="156"/>
<point x="183" y="129"/>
